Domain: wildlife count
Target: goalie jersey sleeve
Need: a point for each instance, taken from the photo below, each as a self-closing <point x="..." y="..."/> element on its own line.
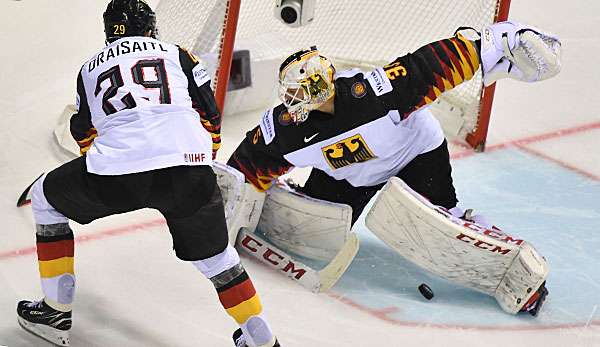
<point x="417" y="79"/>
<point x="260" y="163"/>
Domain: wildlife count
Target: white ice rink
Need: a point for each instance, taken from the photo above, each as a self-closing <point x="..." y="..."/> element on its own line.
<point x="539" y="179"/>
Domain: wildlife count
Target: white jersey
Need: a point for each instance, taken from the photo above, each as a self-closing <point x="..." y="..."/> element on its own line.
<point x="385" y="145"/>
<point x="137" y="96"/>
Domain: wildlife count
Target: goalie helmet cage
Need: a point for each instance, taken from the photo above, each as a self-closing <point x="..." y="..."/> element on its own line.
<point x="352" y="33"/>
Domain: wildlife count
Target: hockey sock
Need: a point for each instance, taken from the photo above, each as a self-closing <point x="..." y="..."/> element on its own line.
<point x="238" y="295"/>
<point x="55" y="250"/>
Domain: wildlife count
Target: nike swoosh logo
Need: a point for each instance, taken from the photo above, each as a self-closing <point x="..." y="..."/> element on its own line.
<point x="307" y="139"/>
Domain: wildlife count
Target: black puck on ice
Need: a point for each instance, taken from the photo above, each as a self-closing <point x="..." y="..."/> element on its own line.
<point x="426" y="291"/>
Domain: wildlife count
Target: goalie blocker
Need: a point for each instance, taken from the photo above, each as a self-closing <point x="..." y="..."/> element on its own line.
<point x="487" y="260"/>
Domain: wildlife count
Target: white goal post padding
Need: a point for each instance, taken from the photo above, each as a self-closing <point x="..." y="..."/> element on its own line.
<point x="487" y="260"/>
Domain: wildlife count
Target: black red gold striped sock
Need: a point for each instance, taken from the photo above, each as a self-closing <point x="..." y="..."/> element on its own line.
<point x="237" y="294"/>
<point x="56" y="265"/>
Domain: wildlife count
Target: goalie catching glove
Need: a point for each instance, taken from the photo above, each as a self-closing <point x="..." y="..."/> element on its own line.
<point x="518" y="51"/>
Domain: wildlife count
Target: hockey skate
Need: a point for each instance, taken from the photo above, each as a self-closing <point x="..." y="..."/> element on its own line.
<point x="534" y="304"/>
<point x="42" y="320"/>
<point x="240" y="341"/>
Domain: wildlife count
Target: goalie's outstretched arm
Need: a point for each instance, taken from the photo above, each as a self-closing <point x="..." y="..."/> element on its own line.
<point x="419" y="78"/>
<point x="505" y="50"/>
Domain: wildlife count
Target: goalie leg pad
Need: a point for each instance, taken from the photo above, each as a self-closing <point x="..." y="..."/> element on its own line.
<point x="306" y="226"/>
<point x="463" y="252"/>
<point x="243" y="204"/>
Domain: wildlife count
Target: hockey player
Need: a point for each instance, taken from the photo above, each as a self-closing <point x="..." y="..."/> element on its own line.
<point x="146" y="116"/>
<point x="357" y="130"/>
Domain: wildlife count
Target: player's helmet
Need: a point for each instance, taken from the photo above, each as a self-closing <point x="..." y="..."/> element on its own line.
<point x="305" y="82"/>
<point x="128" y="18"/>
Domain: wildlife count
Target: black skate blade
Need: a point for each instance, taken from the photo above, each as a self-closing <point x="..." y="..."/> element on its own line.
<point x="540" y="302"/>
<point x="28" y="329"/>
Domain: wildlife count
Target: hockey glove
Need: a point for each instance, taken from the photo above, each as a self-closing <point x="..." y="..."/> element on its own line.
<point x="518" y="51"/>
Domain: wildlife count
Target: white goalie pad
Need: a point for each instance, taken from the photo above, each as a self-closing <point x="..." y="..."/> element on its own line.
<point x="306" y="227"/>
<point x="312" y="279"/>
<point x="309" y="227"/>
<point x="466" y="253"/>
<point x="243" y="204"/>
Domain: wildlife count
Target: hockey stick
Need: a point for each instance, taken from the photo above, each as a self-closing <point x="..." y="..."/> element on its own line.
<point x="64" y="142"/>
<point x="24" y="198"/>
<point x="314" y="280"/>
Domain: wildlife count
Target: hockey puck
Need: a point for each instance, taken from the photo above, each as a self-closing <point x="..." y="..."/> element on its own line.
<point x="426" y="291"/>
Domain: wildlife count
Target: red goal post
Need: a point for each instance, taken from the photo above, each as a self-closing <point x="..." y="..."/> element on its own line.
<point x="352" y="33"/>
<point x="476" y="138"/>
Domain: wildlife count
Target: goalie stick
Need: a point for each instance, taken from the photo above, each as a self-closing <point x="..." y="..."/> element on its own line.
<point x="65" y="142"/>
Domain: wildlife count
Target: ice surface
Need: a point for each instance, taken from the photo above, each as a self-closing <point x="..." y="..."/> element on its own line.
<point x="539" y="179"/>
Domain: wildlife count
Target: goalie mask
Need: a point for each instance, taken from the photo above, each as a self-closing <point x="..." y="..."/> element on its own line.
<point x="305" y="83"/>
<point x="124" y="18"/>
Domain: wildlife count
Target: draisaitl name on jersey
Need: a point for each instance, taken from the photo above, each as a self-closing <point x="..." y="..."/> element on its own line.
<point x="121" y="48"/>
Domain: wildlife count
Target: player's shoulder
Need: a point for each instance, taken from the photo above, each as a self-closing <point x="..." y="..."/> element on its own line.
<point x="345" y="78"/>
<point x="187" y="54"/>
<point x="353" y="84"/>
<point x="357" y="83"/>
<point x="275" y="121"/>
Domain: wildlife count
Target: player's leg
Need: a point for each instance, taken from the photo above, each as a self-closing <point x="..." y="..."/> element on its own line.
<point x="191" y="202"/>
<point x="319" y="185"/>
<point x="50" y="318"/>
<point x="67" y="192"/>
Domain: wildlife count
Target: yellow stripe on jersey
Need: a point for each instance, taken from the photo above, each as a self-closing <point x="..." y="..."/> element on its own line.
<point x="82" y="150"/>
<point x="464" y="64"/>
<point x="92" y="135"/>
<point x="473" y="55"/>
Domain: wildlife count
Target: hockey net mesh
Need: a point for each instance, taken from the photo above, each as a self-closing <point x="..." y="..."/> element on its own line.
<point x="352" y="33"/>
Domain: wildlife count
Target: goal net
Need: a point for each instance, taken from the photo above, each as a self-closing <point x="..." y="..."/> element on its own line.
<point x="352" y="33"/>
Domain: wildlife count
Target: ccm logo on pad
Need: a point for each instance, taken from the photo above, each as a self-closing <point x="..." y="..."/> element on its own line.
<point x="271" y="257"/>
